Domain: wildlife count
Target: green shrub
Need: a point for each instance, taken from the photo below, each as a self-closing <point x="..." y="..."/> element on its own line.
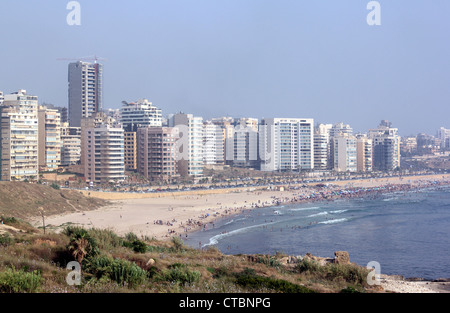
<point x="268" y="260"/>
<point x="178" y="243"/>
<point x="179" y="275"/>
<point x="136" y="245"/>
<point x="159" y="249"/>
<point x="279" y="285"/>
<point x="9" y="220"/>
<point x="308" y="266"/>
<point x="121" y="271"/>
<point x="331" y="271"/>
<point x="5" y="240"/>
<point x="219" y="272"/>
<point x="105" y="238"/>
<point x="347" y="272"/>
<point x="19" y="281"/>
<point x="350" y="290"/>
<point x="131" y="237"/>
<point x="55" y="186"/>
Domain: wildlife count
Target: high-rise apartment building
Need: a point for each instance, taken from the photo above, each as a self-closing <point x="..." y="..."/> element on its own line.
<point x="85" y="91"/>
<point x="19" y="136"/>
<point x="286" y="144"/>
<point x="103" y="150"/>
<point x="213" y="144"/>
<point x="340" y="128"/>
<point x="190" y="144"/>
<point x="130" y="153"/>
<point x="343" y="152"/>
<point x="242" y="143"/>
<point x="240" y="140"/>
<point x="444" y="135"/>
<point x="93" y="121"/>
<point x="49" y="134"/>
<point x="70" y="144"/>
<point x="140" y="114"/>
<point x="386" y="147"/>
<point x="322" y="147"/>
<point x="156" y="153"/>
<point x="364" y="153"/>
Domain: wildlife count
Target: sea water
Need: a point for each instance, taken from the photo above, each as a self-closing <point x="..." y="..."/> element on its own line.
<point x="407" y="232"/>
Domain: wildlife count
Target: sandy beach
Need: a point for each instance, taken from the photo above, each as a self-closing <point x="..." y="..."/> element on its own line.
<point x="166" y="215"/>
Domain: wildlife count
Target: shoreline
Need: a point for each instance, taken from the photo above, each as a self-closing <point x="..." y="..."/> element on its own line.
<point x="162" y="218"/>
<point x="178" y="215"/>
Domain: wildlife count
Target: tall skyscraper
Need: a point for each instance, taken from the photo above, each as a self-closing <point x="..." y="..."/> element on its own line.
<point x="19" y="137"/>
<point x="85" y="91"/>
<point x="286" y="144"/>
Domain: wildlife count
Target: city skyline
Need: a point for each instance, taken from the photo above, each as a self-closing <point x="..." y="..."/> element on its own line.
<point x="256" y="59"/>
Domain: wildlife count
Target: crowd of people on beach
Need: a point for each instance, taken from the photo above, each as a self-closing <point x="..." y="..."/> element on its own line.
<point x="304" y="194"/>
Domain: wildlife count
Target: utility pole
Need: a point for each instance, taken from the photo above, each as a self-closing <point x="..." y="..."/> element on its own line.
<point x="43" y="217"/>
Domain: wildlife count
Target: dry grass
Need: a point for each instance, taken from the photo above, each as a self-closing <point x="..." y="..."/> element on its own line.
<point x="23" y="200"/>
<point x="173" y="267"/>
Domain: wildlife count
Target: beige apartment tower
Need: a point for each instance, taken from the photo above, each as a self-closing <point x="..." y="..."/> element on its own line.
<point x="130" y="146"/>
<point x="103" y="154"/>
<point x="156" y="155"/>
<point x="49" y="149"/>
<point x="70" y="144"/>
<point x="364" y="153"/>
<point x="19" y="136"/>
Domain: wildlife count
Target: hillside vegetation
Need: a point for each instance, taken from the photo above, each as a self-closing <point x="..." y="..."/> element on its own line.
<point x="31" y="261"/>
<point x="24" y="200"/>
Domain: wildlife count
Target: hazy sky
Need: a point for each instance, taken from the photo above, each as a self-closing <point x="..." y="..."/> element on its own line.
<point x="257" y="58"/>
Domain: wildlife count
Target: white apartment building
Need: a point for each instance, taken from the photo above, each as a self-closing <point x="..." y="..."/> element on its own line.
<point x="49" y="126"/>
<point x="242" y="145"/>
<point x="190" y="143"/>
<point x="286" y="144"/>
<point x="103" y="154"/>
<point x="70" y="144"/>
<point x="19" y="136"/>
<point x="444" y="135"/>
<point x="340" y="128"/>
<point x="386" y="147"/>
<point x="85" y="90"/>
<point x="322" y="147"/>
<point x="213" y="144"/>
<point x="140" y="114"/>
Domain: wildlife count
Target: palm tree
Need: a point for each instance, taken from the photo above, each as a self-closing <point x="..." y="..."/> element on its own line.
<point x="79" y="247"/>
